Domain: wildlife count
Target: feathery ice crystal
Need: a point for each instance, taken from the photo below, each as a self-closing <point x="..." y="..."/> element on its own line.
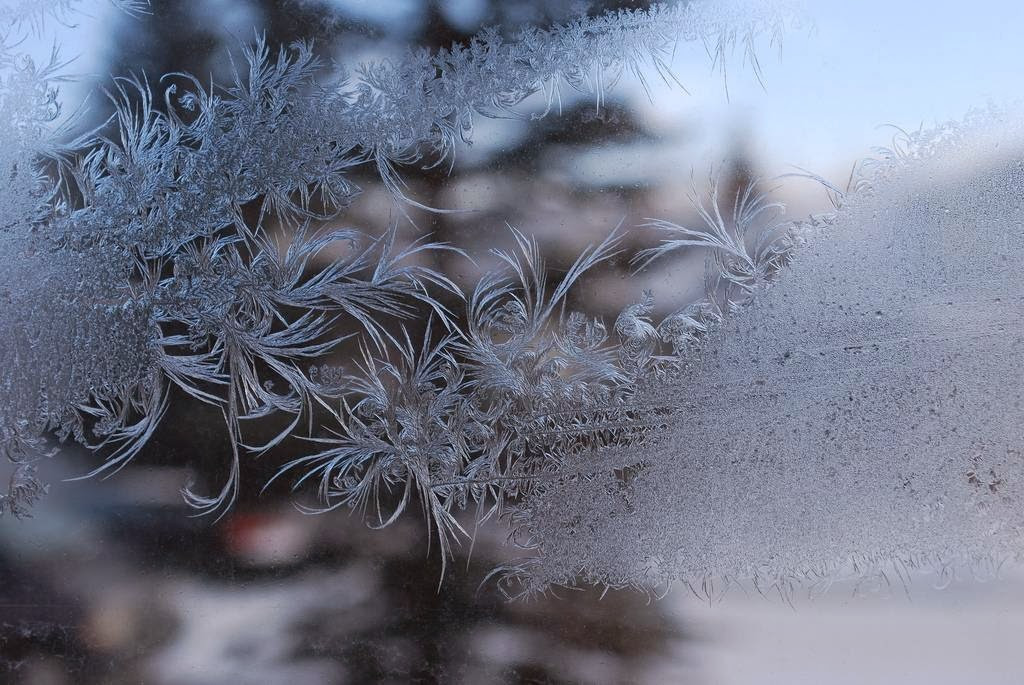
<point x="857" y="406"/>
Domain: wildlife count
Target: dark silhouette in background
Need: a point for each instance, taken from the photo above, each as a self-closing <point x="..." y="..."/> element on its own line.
<point x="107" y="595"/>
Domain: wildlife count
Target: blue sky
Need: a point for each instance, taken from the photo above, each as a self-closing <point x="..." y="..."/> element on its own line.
<point x="864" y="64"/>
<point x="827" y="92"/>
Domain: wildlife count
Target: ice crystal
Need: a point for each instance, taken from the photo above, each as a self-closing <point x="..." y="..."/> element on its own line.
<point x="17" y="14"/>
<point x="846" y="394"/>
<point x="862" y="416"/>
<point x="179" y="246"/>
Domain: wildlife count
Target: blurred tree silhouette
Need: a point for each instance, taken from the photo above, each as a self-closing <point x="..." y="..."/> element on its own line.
<point x="159" y="541"/>
<point x="201" y="37"/>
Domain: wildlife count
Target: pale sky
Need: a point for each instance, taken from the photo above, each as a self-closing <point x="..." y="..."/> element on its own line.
<point x="866" y="63"/>
<point x="827" y="93"/>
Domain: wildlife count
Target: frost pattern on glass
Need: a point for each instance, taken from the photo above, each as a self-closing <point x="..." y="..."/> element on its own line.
<point x="133" y="265"/>
<point x="18" y="14"/>
<point x="862" y="417"/>
<point x="844" y="399"/>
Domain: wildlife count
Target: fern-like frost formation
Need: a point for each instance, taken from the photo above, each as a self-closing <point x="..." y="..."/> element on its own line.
<point x="135" y="268"/>
<point x="845" y="399"/>
<point x="861" y="417"/>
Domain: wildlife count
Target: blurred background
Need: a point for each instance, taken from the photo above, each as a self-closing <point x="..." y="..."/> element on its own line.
<point x="113" y="582"/>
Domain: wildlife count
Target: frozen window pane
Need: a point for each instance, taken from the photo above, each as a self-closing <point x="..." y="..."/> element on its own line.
<point x="320" y="344"/>
<point x="861" y="417"/>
